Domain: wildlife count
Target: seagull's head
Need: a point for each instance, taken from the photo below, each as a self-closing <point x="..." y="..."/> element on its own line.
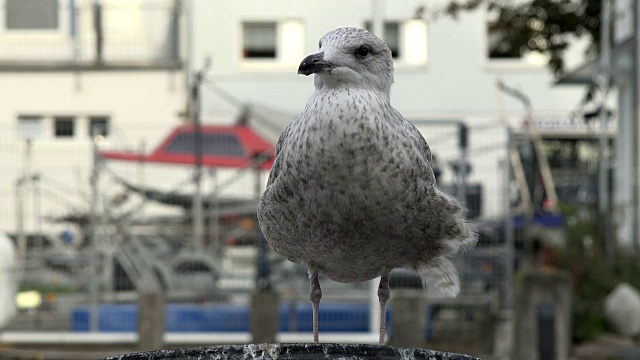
<point x="350" y="58"/>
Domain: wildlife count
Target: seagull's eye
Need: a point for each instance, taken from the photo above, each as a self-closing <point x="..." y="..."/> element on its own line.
<point x="363" y="51"/>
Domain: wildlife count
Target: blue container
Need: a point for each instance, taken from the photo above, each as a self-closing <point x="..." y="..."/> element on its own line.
<point x="333" y="317"/>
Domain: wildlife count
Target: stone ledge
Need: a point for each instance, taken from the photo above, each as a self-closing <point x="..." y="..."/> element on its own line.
<point x="295" y="351"/>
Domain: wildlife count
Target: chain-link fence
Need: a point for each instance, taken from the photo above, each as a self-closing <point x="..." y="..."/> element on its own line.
<point x="471" y="162"/>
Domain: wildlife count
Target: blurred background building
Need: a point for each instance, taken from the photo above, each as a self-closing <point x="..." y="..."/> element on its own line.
<point x="445" y="71"/>
<point x="72" y="70"/>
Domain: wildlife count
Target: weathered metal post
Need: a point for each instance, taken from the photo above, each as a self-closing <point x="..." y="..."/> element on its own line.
<point x="264" y="316"/>
<point x="463" y="167"/>
<point x="603" y="80"/>
<point x="151" y="320"/>
<point x="151" y="311"/>
<point x="98" y="32"/>
<point x="264" y="300"/>
<point x="94" y="286"/>
<point x="543" y="316"/>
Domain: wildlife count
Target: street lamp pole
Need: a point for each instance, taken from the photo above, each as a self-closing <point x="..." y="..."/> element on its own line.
<point x="603" y="80"/>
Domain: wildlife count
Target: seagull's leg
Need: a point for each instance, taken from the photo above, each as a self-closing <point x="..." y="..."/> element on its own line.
<point x="315" y="295"/>
<point x="383" y="295"/>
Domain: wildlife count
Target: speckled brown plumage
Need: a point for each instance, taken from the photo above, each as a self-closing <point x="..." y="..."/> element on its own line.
<point x="352" y="193"/>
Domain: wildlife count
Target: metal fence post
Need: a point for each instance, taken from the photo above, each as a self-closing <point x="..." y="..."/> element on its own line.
<point x="409" y="318"/>
<point x="543" y="316"/>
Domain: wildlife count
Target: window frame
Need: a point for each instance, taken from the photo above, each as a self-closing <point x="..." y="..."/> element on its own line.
<point x="91" y="119"/>
<point x="401" y="62"/>
<point x="64" y="118"/>
<point x="399" y="24"/>
<point x="284" y="60"/>
<point x="64" y="10"/>
<point x="47" y="126"/>
<point x="6" y="18"/>
<point x="59" y="35"/>
<point x="30" y="126"/>
<point x="275" y="40"/>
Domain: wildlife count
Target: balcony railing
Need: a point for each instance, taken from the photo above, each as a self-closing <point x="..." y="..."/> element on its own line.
<point x="61" y="34"/>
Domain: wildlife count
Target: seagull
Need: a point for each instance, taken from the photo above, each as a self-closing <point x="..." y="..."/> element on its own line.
<point x="351" y="193"/>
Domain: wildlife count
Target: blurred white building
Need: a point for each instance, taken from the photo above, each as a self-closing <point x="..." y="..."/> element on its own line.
<point x="70" y="69"/>
<point x="445" y="70"/>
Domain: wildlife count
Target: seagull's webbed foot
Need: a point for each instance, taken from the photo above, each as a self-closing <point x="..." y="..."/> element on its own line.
<point x="315" y="295"/>
<point x="383" y="295"/>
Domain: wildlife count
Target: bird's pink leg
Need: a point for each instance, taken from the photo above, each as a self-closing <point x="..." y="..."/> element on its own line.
<point x="315" y="295"/>
<point x="383" y="295"/>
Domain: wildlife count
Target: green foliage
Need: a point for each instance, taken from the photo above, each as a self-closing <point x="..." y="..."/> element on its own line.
<point x="538" y="25"/>
<point x="593" y="277"/>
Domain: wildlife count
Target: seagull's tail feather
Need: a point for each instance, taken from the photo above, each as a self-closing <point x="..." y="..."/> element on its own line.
<point x="440" y="278"/>
<point x="455" y="233"/>
<point x="451" y="233"/>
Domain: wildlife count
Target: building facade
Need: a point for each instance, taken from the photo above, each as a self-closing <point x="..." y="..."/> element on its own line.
<point x="72" y="71"/>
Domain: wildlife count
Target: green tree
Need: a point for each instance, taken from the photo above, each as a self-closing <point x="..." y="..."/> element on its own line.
<point x="538" y="25"/>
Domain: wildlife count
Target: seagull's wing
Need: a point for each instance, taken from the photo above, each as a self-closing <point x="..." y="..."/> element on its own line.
<point x="421" y="146"/>
<point x="275" y="168"/>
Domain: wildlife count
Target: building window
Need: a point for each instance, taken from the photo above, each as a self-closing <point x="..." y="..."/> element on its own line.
<point x="63" y="126"/>
<point x="259" y="40"/>
<point x="271" y="45"/>
<point x="31" y="14"/>
<point x="29" y="126"/>
<point x="407" y="40"/>
<point x="98" y="126"/>
<point x="391" y="36"/>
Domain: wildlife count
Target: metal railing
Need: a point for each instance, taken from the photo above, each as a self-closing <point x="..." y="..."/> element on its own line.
<point x="208" y="292"/>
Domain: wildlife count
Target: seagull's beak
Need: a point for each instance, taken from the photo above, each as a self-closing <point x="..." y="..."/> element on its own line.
<point x="314" y="64"/>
